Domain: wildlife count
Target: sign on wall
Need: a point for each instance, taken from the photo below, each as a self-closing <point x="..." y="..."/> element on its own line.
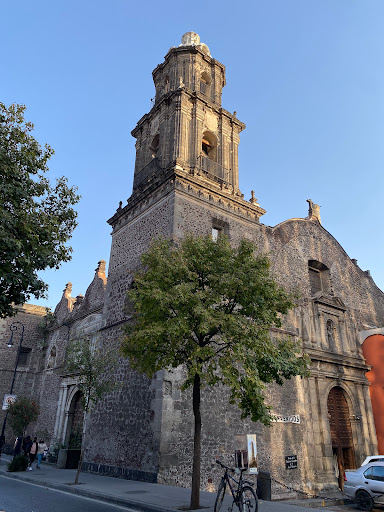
<point x="291" y="462"/>
<point x="252" y="453"/>
<point x="8" y="400"/>
<point x="292" y="418"/>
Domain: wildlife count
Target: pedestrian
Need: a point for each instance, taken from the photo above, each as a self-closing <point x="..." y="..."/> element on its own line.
<point x="40" y="452"/>
<point x="18" y="445"/>
<point x="33" y="452"/>
<point x="27" y="442"/>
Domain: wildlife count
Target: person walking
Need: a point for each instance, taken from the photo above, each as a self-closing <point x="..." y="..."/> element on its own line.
<point x="40" y="452"/>
<point x="33" y="452"/>
<point x="27" y="443"/>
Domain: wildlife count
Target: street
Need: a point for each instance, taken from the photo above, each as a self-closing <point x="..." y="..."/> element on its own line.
<point x="16" y="496"/>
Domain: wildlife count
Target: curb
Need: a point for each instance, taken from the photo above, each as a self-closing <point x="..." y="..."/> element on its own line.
<point x="318" y="503"/>
<point x="143" y="507"/>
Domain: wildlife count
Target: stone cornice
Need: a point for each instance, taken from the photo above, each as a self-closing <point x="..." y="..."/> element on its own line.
<point x="199" y="186"/>
<point x="221" y="195"/>
<point x="336" y="359"/>
<point x="329" y="301"/>
<point x="186" y="49"/>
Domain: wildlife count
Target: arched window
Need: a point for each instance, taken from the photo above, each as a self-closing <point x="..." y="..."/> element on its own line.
<point x="155" y="146"/>
<point x="52" y="358"/>
<point x="319" y="277"/>
<point x="205" y="82"/>
<point x="209" y="146"/>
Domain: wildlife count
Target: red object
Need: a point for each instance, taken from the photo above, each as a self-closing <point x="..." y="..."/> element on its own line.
<point x="373" y="350"/>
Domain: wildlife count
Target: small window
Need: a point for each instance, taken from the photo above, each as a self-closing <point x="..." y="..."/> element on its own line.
<point x="23" y="356"/>
<point x="319" y="277"/>
<point x="206" y="147"/>
<point x="314" y="280"/>
<point x="209" y="146"/>
<point x="216" y="233"/>
<point x="205" y="82"/>
<point x="219" y="227"/>
<point x="155" y="146"/>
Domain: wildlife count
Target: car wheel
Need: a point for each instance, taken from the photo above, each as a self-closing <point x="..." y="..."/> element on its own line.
<point x="364" y="501"/>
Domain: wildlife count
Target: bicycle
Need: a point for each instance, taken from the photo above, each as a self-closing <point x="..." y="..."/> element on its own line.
<point x="244" y="496"/>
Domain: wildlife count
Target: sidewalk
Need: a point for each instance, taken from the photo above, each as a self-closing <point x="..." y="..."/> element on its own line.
<point x="141" y="496"/>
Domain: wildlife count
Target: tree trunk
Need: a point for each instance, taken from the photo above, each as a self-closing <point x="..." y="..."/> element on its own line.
<point x="82" y="450"/>
<point x="195" y="491"/>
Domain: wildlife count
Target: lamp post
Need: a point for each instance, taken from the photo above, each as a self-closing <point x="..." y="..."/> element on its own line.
<point x="14" y="327"/>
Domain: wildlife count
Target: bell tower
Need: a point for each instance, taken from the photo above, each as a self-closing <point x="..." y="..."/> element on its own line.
<point x="185" y="181"/>
<point x="187" y="128"/>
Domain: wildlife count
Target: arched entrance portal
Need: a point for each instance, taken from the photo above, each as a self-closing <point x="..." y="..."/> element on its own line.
<point x="341" y="433"/>
<point x="74" y="431"/>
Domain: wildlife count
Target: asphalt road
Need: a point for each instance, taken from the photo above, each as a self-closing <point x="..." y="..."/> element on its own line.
<point x="17" y="496"/>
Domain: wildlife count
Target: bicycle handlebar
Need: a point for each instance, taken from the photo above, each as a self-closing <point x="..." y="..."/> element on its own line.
<point x="223" y="465"/>
<point x="229" y="469"/>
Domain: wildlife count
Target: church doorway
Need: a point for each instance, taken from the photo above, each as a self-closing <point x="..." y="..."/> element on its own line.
<point x="341" y="433"/>
<point x="74" y="431"/>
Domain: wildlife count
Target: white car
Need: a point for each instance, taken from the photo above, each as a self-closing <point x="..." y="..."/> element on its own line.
<point x="365" y="485"/>
<point x="373" y="458"/>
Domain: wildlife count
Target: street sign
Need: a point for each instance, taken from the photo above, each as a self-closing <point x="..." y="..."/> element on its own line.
<point x="291" y="418"/>
<point x="291" y="462"/>
<point x="8" y="400"/>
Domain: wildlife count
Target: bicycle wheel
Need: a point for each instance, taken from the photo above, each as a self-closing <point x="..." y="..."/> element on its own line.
<point x="220" y="496"/>
<point x="248" y="501"/>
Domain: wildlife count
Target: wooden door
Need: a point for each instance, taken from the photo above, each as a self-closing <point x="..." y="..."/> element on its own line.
<point x="341" y="432"/>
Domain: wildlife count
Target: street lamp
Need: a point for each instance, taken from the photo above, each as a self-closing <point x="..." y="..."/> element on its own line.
<point x="14" y="327"/>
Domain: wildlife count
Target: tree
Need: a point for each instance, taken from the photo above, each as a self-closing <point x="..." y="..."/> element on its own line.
<point x="22" y="412"/>
<point x="36" y="219"/>
<point x="207" y="306"/>
<point x="92" y="366"/>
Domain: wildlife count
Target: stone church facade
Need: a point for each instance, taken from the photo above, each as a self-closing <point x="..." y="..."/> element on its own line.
<point x="187" y="180"/>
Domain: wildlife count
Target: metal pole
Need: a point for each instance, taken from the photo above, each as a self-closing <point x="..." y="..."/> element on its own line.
<point x="13" y="327"/>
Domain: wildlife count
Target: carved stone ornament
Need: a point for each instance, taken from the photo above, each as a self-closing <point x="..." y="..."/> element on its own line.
<point x="313" y="211"/>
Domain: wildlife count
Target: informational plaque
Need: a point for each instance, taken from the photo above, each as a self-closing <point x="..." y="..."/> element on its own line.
<point x="252" y="453"/>
<point x="8" y="400"/>
<point x="291" y="462"/>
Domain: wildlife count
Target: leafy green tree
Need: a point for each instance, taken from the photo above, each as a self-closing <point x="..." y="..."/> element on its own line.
<point x="36" y="219"/>
<point x="21" y="413"/>
<point x="210" y="307"/>
<point x="92" y="366"/>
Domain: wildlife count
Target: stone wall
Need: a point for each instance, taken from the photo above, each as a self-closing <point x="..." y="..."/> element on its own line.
<point x="32" y="318"/>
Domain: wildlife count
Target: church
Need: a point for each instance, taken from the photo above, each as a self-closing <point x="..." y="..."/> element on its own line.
<point x="186" y="180"/>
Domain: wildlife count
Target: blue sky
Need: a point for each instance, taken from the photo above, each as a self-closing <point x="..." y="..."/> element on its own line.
<point x="305" y="76"/>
